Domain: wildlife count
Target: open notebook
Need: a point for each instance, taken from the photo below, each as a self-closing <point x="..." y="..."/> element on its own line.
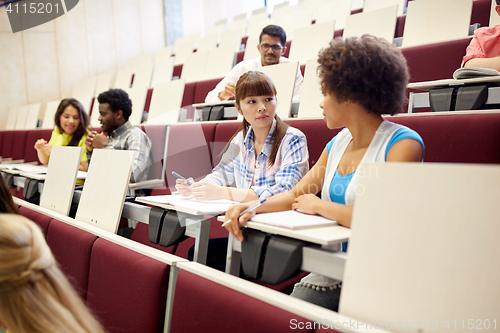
<point x="293" y="220"/>
<point x="188" y="204"/>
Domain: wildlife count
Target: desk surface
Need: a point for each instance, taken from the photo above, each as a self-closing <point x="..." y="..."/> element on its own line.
<point x="427" y="85"/>
<point x="192" y="207"/>
<point x="201" y="105"/>
<point x="322" y="235"/>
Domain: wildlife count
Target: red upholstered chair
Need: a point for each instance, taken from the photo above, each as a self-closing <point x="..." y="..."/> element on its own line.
<point x="72" y="248"/>
<point x="201" y="305"/>
<point x="42" y="220"/>
<point x="435" y="61"/>
<point x="223" y="132"/>
<point x="29" y="150"/>
<point x="317" y="134"/>
<point x="188" y="97"/>
<point x="203" y="88"/>
<point x="177" y="71"/>
<point x="148" y="99"/>
<point x="400" y="26"/>
<point x="1" y="142"/>
<point x="481" y="12"/>
<point x="127" y="290"/>
<point x="18" y="144"/>
<point x="239" y="56"/>
<point x="7" y="143"/>
<point x="457" y="138"/>
<point x="157" y="135"/>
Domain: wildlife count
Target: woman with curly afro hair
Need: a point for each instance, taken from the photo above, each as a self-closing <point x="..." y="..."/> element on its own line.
<point x="361" y="79"/>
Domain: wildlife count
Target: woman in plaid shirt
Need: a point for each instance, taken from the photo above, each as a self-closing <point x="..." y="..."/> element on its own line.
<point x="263" y="158"/>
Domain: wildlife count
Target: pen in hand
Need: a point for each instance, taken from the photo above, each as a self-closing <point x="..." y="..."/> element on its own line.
<point x="249" y="209"/>
<point x="180" y="177"/>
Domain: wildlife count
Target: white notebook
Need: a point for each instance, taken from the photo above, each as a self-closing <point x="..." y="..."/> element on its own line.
<point x="293" y="220"/>
<point x="190" y="203"/>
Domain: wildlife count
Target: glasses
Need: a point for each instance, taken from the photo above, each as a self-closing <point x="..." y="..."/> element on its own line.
<point x="266" y="47"/>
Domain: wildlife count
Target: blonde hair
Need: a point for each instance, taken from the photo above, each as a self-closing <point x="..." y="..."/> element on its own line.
<point x="35" y="296"/>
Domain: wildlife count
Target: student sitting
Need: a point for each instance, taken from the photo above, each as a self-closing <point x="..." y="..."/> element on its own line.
<point x="361" y="79"/>
<point x="71" y="130"/>
<point x="264" y="157"/>
<point x="35" y="296"/>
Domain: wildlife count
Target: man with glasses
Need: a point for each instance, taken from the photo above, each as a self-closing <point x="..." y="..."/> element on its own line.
<point x="272" y="44"/>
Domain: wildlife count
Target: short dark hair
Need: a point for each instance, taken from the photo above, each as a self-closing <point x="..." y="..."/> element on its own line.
<point x="275" y="31"/>
<point x="84" y="119"/>
<point x="117" y="100"/>
<point x="367" y="70"/>
<point x="498" y="2"/>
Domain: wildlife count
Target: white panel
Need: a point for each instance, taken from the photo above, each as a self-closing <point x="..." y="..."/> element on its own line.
<point x="11" y="119"/>
<point x="231" y="37"/>
<point x="137" y="95"/>
<point x="182" y="51"/>
<point x="309" y="40"/>
<point x="337" y="10"/>
<point x="194" y="38"/>
<point x="216" y="30"/>
<point x="100" y="36"/>
<point x="48" y="117"/>
<point x="152" y="25"/>
<point x="494" y="17"/>
<point x="255" y="27"/>
<point x="219" y="62"/>
<point x="251" y="50"/>
<point x="32" y="116"/>
<point x="240" y="23"/>
<point x="4" y="21"/>
<point x="163" y="71"/>
<point x="143" y="74"/>
<point x="108" y="169"/>
<point x="41" y="66"/>
<point x="103" y="84"/>
<point x="85" y="100"/>
<point x="127" y="27"/>
<point x="280" y="12"/>
<point x="379" y="23"/>
<point x="194" y="67"/>
<point x="283" y="77"/>
<point x="379" y="4"/>
<point x="123" y="78"/>
<point x="59" y="184"/>
<point x="85" y="87"/>
<point x="436" y="21"/>
<point x="208" y="43"/>
<point x="311" y="95"/>
<point x="166" y="102"/>
<point x="414" y="255"/>
<point x="295" y="21"/>
<point x="72" y="50"/>
<point x="13" y="82"/>
<point x="163" y="53"/>
<point x="22" y="114"/>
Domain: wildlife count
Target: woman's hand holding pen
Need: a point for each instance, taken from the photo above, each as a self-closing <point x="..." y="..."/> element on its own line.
<point x="238" y="221"/>
<point x="183" y="188"/>
<point x="205" y="190"/>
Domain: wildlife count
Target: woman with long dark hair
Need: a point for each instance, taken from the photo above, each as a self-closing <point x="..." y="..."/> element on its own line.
<point x="71" y="129"/>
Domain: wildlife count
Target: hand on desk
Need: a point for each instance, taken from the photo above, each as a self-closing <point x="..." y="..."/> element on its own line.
<point x="227" y="93"/>
<point x="238" y="221"/>
<point x="205" y="190"/>
<point x="96" y="140"/>
<point x="306" y="203"/>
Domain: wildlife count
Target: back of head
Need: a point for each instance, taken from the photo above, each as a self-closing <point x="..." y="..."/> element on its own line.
<point x="34" y="294"/>
<point x="84" y="119"/>
<point x="498" y="2"/>
<point x="117" y="100"/>
<point x="366" y="70"/>
<point x="275" y="31"/>
<point x="7" y="204"/>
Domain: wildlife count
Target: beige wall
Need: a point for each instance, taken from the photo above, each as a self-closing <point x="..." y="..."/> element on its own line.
<point x="43" y="63"/>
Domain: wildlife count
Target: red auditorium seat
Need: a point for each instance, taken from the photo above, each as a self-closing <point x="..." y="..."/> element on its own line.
<point x="42" y="220"/>
<point x="7" y="143"/>
<point x="127" y="290"/>
<point x="201" y="305"/>
<point x="72" y="249"/>
<point x="203" y="88"/>
<point x="188" y="97"/>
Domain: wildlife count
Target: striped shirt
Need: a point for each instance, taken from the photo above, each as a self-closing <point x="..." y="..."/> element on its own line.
<point x="240" y="166"/>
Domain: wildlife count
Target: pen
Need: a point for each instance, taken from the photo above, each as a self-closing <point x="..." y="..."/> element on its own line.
<point x="249" y="209"/>
<point x="180" y="177"/>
